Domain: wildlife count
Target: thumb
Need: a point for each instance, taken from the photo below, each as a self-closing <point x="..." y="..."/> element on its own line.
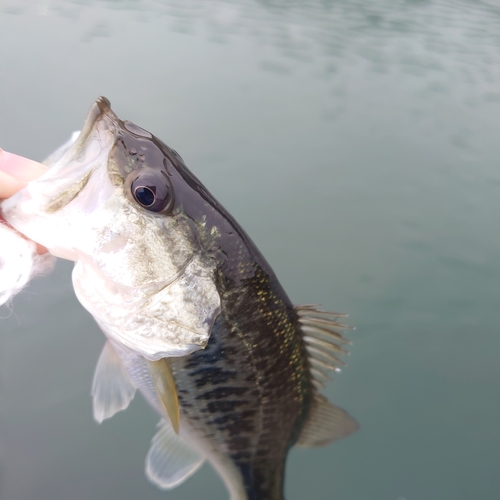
<point x="16" y="172"/>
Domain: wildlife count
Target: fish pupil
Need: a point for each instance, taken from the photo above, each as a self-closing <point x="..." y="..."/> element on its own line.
<point x="151" y="191"/>
<point x="145" y="195"/>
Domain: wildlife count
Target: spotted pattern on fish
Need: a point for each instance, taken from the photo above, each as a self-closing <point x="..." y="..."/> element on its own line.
<point x="249" y="391"/>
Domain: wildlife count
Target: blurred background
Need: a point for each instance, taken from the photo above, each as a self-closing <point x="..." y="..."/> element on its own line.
<point x="358" y="143"/>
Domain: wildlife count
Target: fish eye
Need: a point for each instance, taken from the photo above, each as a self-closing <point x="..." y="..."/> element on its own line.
<point x="152" y="191"/>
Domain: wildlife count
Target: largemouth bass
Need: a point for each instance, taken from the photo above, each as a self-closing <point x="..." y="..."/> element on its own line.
<point x="194" y="316"/>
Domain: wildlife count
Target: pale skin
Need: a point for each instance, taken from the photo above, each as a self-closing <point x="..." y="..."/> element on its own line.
<point x="15" y="172"/>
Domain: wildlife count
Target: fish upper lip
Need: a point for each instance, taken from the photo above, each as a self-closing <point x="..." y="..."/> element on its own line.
<point x="101" y="108"/>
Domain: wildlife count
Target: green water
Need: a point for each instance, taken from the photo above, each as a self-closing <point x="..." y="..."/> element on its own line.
<point x="358" y="143"/>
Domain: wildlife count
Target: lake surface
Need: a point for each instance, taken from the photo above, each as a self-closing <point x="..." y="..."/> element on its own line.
<point x="357" y="142"/>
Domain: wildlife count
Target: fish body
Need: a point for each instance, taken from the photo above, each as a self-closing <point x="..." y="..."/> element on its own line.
<point x="194" y="316"/>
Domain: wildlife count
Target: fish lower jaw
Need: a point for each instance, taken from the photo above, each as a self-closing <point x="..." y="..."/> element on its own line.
<point x="40" y="248"/>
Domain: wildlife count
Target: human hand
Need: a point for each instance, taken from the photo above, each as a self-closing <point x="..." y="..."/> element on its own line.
<point x="15" y="173"/>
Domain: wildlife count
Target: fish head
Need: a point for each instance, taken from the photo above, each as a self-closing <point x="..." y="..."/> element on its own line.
<point x="122" y="205"/>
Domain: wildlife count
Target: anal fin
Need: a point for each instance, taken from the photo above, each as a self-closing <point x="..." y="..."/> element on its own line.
<point x="112" y="389"/>
<point x="170" y="461"/>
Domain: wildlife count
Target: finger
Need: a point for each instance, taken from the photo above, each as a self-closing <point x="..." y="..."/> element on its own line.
<point x="22" y="169"/>
<point x="15" y="173"/>
<point x="9" y="185"/>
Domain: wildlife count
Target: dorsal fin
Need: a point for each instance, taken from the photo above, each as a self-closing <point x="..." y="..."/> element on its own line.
<point x="170" y="461"/>
<point x="326" y="423"/>
<point x="323" y="338"/>
<point x="112" y="389"/>
<point x="323" y="341"/>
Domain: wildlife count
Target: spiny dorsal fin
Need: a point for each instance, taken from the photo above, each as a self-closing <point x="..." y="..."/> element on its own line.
<point x="323" y="341"/>
<point x="112" y="389"/>
<point x="326" y="423"/>
<point x="170" y="461"/>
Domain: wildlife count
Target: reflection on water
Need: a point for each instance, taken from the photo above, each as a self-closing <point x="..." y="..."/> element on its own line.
<point x="451" y="39"/>
<point x="357" y="142"/>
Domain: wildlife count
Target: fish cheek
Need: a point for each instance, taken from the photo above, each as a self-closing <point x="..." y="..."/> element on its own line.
<point x="117" y="163"/>
<point x="67" y="196"/>
<point x="115" y="245"/>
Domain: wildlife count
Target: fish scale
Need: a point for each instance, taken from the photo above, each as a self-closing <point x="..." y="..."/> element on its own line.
<point x="259" y="361"/>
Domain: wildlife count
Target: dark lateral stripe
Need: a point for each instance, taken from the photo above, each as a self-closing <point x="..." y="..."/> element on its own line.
<point x="236" y="423"/>
<point x="233" y="418"/>
<point x="211" y="355"/>
<point x="225" y="406"/>
<point x="241" y="456"/>
<point x="223" y="392"/>
<point x="212" y="375"/>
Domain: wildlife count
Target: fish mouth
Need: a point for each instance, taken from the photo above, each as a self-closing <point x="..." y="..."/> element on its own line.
<point x="76" y="185"/>
<point x="100" y="110"/>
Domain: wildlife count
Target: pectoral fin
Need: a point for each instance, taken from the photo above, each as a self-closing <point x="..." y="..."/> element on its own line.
<point x="170" y="461"/>
<point x="112" y="389"/>
<point x="165" y="387"/>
